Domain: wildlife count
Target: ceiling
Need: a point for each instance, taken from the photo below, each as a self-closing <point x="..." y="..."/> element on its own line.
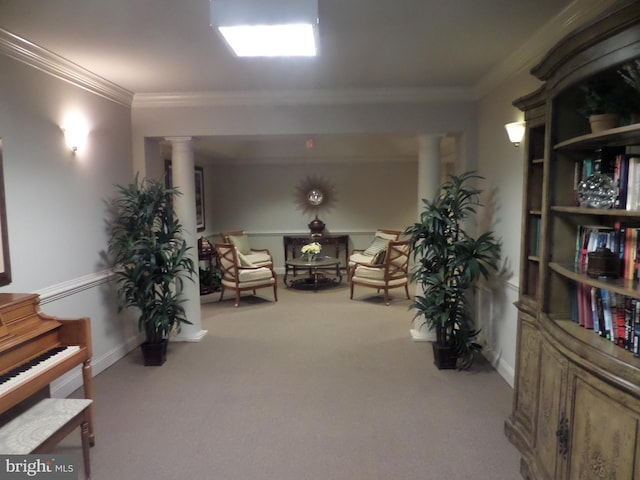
<point x="161" y="46"/>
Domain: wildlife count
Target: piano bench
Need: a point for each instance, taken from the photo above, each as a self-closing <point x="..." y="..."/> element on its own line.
<point x="43" y="426"/>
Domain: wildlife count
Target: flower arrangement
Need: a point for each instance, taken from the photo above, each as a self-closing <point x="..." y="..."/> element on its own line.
<point x="311" y="249"/>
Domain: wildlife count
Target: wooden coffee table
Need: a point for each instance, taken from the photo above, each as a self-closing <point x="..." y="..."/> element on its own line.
<point x="321" y="272"/>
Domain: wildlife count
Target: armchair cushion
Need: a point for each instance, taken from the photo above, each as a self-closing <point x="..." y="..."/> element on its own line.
<point x="375" y="273"/>
<point x="256" y="259"/>
<point x="241" y="242"/>
<point x="387" y="236"/>
<point x="377" y="245"/>
<point x="252" y="274"/>
<point x="245" y="260"/>
<point x="378" y="258"/>
<point x="360" y="257"/>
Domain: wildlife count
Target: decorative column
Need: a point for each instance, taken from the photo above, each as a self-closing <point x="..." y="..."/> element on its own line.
<point x="182" y="177"/>
<point x="428" y="184"/>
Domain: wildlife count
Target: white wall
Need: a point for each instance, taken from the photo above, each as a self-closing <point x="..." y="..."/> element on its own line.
<point x="261" y="199"/>
<point x="56" y="201"/>
<point x="502" y="166"/>
<point x="199" y="118"/>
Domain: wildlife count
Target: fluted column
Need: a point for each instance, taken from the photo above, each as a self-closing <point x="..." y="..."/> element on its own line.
<point x="428" y="184"/>
<point x="182" y="176"/>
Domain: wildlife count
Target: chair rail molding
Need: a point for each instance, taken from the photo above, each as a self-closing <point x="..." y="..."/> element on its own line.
<point x="73" y="286"/>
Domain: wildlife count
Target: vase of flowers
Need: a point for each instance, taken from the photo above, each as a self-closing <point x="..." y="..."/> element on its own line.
<point x="310" y="250"/>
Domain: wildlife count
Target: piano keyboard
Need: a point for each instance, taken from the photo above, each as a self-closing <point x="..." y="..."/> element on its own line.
<point x="34" y="367"/>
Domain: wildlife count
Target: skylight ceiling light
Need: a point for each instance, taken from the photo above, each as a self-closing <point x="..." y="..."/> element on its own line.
<point x="271" y="40"/>
<point x="267" y="28"/>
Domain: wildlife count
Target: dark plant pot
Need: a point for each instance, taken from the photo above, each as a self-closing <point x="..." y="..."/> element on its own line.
<point x="444" y="357"/>
<point x="154" y="354"/>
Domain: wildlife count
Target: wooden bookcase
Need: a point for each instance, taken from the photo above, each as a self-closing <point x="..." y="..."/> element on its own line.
<point x="576" y="408"/>
<point x="534" y="107"/>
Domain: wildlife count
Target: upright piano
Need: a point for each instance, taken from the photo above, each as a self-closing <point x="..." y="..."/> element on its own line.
<point x="36" y="348"/>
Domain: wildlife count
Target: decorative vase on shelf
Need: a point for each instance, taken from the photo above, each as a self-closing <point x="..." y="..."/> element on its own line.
<point x="597" y="191"/>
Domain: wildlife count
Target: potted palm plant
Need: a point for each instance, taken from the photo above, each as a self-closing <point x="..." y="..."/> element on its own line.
<point x="448" y="264"/>
<point x="150" y="261"/>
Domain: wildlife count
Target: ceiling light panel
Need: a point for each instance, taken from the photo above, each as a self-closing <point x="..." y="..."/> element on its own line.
<point x="267" y="27"/>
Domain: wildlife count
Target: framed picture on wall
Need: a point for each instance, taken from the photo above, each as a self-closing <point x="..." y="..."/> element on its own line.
<point x="199" y="172"/>
<point x="5" y="264"/>
<point x="199" y="192"/>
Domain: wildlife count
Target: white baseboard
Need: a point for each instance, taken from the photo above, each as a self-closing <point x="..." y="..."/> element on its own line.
<point x="422" y="335"/>
<point x="505" y="370"/>
<point x="192" y="337"/>
<point x="67" y="384"/>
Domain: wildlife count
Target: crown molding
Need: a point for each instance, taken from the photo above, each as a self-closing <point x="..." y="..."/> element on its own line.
<point x="46" y="61"/>
<point x="574" y="15"/>
<point x="299" y="97"/>
<point x="524" y="58"/>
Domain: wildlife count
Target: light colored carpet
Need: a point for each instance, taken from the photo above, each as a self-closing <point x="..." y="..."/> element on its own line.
<point x="315" y="386"/>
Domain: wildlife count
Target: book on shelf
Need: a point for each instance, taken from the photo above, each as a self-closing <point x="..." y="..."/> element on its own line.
<point x="610" y="315"/>
<point x="629" y="319"/>
<point x="633" y="183"/>
<point x="634" y="341"/>
<point x="538" y="228"/>
<point x="584" y="304"/>
<point x="574" y="299"/>
<point x="596" y="308"/>
<point x="631" y="257"/>
<point x="620" y="320"/>
<point x="621" y="178"/>
<point x="606" y="328"/>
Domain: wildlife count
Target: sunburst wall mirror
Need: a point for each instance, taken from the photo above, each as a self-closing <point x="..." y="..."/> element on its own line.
<point x="313" y="194"/>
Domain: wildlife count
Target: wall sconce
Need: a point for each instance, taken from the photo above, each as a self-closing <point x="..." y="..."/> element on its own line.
<point x="75" y="133"/>
<point x="515" y="131"/>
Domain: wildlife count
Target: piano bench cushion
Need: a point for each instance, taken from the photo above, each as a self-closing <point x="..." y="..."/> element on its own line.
<point x="28" y="431"/>
<point x="41" y="427"/>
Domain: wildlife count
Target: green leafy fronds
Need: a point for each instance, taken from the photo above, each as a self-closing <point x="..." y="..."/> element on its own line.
<point x="449" y="262"/>
<point x="150" y="256"/>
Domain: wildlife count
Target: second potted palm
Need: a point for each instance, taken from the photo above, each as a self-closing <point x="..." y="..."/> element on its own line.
<point x="449" y="263"/>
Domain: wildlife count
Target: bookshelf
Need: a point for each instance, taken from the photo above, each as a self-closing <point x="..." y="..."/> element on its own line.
<point x="534" y="108"/>
<point x="576" y="407"/>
